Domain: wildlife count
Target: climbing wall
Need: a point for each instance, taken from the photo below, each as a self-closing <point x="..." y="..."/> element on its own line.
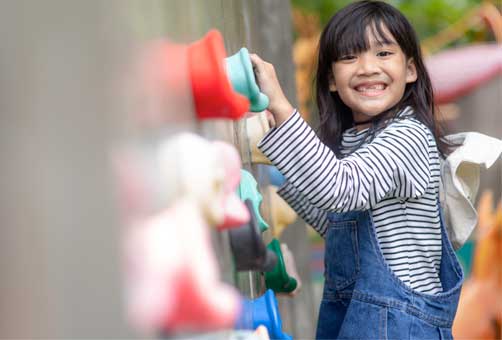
<point x="83" y="110"/>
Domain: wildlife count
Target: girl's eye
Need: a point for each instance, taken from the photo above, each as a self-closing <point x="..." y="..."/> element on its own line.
<point x="347" y="57"/>
<point x="384" y="54"/>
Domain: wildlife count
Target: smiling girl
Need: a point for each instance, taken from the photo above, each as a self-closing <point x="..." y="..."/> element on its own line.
<point x="369" y="183"/>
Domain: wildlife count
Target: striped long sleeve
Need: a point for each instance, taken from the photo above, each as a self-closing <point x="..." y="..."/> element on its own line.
<point x="395" y="163"/>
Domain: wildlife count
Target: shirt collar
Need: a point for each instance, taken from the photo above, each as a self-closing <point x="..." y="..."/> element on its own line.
<point x="407" y="112"/>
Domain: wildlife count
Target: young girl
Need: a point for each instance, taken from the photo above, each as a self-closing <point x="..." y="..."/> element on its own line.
<point x="370" y="183"/>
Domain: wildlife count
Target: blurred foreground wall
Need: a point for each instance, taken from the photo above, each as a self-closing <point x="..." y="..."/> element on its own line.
<point x="60" y="270"/>
<point x="61" y="113"/>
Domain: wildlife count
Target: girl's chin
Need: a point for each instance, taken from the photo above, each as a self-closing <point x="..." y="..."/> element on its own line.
<point x="372" y="111"/>
<point x="364" y="115"/>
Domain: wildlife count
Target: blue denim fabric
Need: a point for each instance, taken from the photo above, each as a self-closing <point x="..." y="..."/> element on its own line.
<point x="364" y="299"/>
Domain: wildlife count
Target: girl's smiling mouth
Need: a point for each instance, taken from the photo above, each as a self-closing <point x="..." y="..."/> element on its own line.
<point x="372" y="89"/>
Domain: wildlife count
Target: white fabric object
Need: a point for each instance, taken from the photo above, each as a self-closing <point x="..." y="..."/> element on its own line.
<point x="460" y="181"/>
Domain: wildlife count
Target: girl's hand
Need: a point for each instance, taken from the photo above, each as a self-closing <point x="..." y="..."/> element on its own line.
<point x="279" y="105"/>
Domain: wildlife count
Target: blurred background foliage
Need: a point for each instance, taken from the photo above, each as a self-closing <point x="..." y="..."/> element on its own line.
<point x="428" y="17"/>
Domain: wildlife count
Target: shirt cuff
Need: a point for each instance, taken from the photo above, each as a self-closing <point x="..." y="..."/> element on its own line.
<point x="282" y="135"/>
<point x="284" y="125"/>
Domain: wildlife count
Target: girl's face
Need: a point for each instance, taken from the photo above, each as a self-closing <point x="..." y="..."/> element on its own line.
<point x="373" y="81"/>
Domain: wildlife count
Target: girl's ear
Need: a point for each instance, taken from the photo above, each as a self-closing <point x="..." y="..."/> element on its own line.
<point x="411" y="71"/>
<point x="332" y="86"/>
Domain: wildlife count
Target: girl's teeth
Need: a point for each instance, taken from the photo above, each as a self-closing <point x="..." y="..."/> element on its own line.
<point x="371" y="87"/>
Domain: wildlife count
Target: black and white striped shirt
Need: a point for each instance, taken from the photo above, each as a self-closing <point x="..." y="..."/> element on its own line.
<point x="396" y="175"/>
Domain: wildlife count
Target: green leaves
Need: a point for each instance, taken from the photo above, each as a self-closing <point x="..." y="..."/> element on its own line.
<point x="427" y="16"/>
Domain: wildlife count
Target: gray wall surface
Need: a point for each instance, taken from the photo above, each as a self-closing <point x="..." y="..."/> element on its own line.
<point x="60" y="265"/>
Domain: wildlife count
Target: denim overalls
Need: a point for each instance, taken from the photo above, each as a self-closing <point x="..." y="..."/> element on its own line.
<point x="364" y="299"/>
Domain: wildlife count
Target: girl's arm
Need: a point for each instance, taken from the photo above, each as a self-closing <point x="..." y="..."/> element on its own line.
<point x="312" y="215"/>
<point x="396" y="163"/>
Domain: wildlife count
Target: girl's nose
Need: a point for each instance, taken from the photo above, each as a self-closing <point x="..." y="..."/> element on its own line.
<point x="367" y="65"/>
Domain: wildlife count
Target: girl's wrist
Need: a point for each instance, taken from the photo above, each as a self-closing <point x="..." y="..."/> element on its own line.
<point x="281" y="112"/>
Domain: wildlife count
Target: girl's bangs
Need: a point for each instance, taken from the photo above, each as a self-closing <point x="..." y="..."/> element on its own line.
<point x="354" y="38"/>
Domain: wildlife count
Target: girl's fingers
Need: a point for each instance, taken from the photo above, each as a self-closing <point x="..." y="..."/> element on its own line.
<point x="255" y="59"/>
<point x="258" y="63"/>
<point x="259" y="67"/>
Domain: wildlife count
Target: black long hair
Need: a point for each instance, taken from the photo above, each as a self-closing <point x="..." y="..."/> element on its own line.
<point x="345" y="34"/>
